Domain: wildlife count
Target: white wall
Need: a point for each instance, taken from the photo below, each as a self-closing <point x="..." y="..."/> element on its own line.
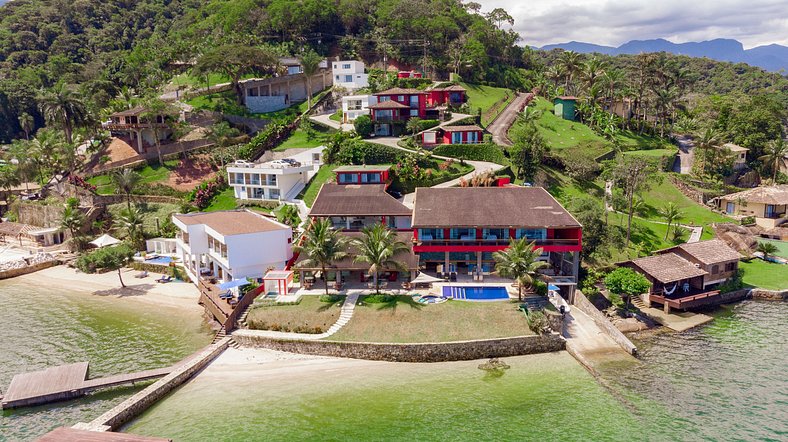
<point x="258" y="251"/>
<point x="350" y="115"/>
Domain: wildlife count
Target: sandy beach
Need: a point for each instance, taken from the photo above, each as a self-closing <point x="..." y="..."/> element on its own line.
<point x="180" y="295"/>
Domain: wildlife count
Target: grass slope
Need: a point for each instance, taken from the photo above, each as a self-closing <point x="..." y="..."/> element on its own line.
<point x="300" y="139"/>
<point x="325" y="173"/>
<point x="405" y="320"/>
<point x="149" y="174"/>
<point x="150" y="213"/>
<point x="766" y="275"/>
<point x="308" y="316"/>
<point x="224" y="200"/>
<point x="485" y="97"/>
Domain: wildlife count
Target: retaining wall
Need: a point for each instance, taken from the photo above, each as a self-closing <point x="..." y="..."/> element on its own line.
<point x="769" y="295"/>
<point x="422" y="352"/>
<point x="133" y="406"/>
<point x="28" y="269"/>
<point x="584" y="305"/>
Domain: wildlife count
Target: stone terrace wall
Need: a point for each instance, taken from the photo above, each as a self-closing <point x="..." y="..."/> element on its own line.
<point x="584" y="305"/>
<point x="24" y="269"/>
<point x="423" y="352"/>
<point x="769" y="295"/>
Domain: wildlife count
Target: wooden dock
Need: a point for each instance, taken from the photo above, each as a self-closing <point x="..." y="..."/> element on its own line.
<point x="66" y="382"/>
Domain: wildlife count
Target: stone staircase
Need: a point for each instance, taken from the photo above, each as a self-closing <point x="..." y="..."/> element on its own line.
<point x="344" y="317"/>
<point x="637" y="302"/>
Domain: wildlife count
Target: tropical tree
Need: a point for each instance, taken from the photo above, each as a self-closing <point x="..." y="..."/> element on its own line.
<point x="126" y="180"/>
<point x="413" y="125"/>
<point x="26" y="123"/>
<point x="767" y="249"/>
<point x="310" y="64"/>
<point x="632" y="174"/>
<point x="591" y="72"/>
<point x="288" y="214"/>
<point x="671" y="213"/>
<point x="626" y="283"/>
<point x="520" y="262"/>
<point x="154" y="109"/>
<point x="570" y="64"/>
<point x="61" y="106"/>
<point x="73" y="220"/>
<point x="222" y="133"/>
<point x="106" y="258"/>
<point x="378" y="247"/>
<point x="130" y="220"/>
<point x="235" y="61"/>
<point x="774" y="156"/>
<point x="706" y="142"/>
<point x="323" y="245"/>
<point x="43" y="151"/>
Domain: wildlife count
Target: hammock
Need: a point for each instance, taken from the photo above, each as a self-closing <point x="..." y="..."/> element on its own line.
<point x="670" y="292"/>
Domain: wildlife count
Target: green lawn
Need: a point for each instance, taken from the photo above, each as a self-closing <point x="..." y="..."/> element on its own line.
<point x="218" y="102"/>
<point x="485" y="97"/>
<point x="149" y="174"/>
<point x="632" y="140"/>
<point x="336" y="116"/>
<point x="782" y="246"/>
<point x="150" y="213"/>
<point x="325" y="173"/>
<point x="652" y="153"/>
<point x="187" y="79"/>
<point x="693" y="213"/>
<point x="300" y="139"/>
<point x="765" y="275"/>
<point x="566" y="137"/>
<point x="224" y="200"/>
<point x="308" y="316"/>
<point x="405" y="320"/>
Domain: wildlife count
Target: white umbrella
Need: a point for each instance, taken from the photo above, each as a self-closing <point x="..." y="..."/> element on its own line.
<point x="104" y="241"/>
<point x="424" y="278"/>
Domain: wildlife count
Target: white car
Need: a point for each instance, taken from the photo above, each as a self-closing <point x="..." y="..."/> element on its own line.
<point x="279" y="164"/>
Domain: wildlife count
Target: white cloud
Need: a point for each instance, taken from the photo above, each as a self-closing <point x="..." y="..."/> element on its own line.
<point x="613" y="22"/>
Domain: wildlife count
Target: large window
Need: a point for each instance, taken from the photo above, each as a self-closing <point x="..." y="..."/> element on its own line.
<point x="534" y="234"/>
<point x="348" y="78"/>
<point x="345" y="178"/>
<point x="354" y="105"/>
<point x="463" y="233"/>
<point x="414" y="101"/>
<point x="456" y="137"/>
<point x="473" y="137"/>
<point x="345" y="66"/>
<point x="430" y="234"/>
<point x="494" y="234"/>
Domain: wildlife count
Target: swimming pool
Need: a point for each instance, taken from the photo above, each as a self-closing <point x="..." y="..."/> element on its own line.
<point x="161" y="260"/>
<point x="486" y="293"/>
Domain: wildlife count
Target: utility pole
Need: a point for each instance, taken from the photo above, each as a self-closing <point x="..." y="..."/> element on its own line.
<point x="424" y="60"/>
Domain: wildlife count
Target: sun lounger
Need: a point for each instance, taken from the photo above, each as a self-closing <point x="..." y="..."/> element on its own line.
<point x="226" y="295"/>
<point x="164" y="279"/>
<point x="143" y="274"/>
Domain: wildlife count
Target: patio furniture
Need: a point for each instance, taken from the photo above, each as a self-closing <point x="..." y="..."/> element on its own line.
<point x="143" y="274"/>
<point x="226" y="295"/>
<point x="164" y="279"/>
<point x="453" y="277"/>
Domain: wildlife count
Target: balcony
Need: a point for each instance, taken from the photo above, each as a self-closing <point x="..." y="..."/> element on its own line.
<point x="132" y="126"/>
<point x="391" y="119"/>
<point x="472" y="242"/>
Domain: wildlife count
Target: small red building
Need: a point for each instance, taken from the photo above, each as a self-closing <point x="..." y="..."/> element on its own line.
<point x="372" y="174"/>
<point x="470" y="134"/>
<point x="397" y="105"/>
<point x="453" y="95"/>
<point x="408" y="74"/>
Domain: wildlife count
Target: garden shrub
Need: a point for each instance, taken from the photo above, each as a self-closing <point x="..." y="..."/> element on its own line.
<point x="332" y="298"/>
<point x="732" y="284"/>
<point x="201" y="196"/>
<point x="268" y="138"/>
<point x="748" y="220"/>
<point x="537" y="322"/>
<point x="382" y="298"/>
<point x="474" y="152"/>
<point x="360" y="152"/>
<point x="363" y="126"/>
<point x="427" y="124"/>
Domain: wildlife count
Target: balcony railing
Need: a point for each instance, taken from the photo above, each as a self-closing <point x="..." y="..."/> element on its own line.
<point x="493" y="242"/>
<point x="394" y="119"/>
<point x="124" y="126"/>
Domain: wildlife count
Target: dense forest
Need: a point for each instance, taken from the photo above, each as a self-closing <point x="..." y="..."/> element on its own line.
<point x="98" y="51"/>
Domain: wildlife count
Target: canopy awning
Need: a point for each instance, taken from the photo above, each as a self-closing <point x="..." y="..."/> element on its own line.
<point x="552" y="287"/>
<point x="104" y="241"/>
<point x="232" y="284"/>
<point x="424" y="278"/>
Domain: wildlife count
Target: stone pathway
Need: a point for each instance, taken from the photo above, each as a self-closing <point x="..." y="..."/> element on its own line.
<point x="344" y="317"/>
<point x="686" y="156"/>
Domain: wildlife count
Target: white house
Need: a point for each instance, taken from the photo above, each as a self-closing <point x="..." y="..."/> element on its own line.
<point x="231" y="244"/>
<point x="273" y="180"/>
<point x="355" y="105"/>
<point x="349" y="74"/>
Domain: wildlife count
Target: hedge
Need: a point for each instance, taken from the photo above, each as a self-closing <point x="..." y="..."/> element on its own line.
<point x="427" y="124"/>
<point x="361" y="152"/>
<point x="473" y="152"/>
<point x="271" y="136"/>
<point x="467" y="121"/>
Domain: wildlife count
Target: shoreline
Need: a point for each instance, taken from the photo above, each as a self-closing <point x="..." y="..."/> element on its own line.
<point x="175" y="295"/>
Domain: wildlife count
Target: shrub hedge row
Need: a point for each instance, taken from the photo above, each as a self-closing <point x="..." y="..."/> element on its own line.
<point x="474" y="152"/>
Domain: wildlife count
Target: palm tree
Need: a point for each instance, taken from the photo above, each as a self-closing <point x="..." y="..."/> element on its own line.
<point x="63" y="107"/>
<point x="671" y="213"/>
<point x="570" y="63"/>
<point x="591" y="71"/>
<point x="377" y="247"/>
<point x="529" y="116"/>
<point x="413" y="125"/>
<point x="43" y="149"/>
<point x="73" y="220"/>
<point x="130" y="220"/>
<point x="774" y="155"/>
<point x="706" y="141"/>
<point x="323" y="245"/>
<point x="26" y="123"/>
<point x="155" y="108"/>
<point x="288" y="214"/>
<point x="310" y="64"/>
<point x="519" y="262"/>
<point x="665" y="100"/>
<point x="767" y="249"/>
<point x="125" y="181"/>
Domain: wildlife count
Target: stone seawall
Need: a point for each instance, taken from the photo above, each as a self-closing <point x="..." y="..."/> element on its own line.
<point x="769" y="295"/>
<point x="12" y="273"/>
<point x="133" y="406"/>
<point x="583" y="304"/>
<point x="422" y="352"/>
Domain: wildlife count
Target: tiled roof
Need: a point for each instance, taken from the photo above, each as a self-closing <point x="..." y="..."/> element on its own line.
<point x="501" y="207"/>
<point x="356" y="200"/>
<point x="363" y="168"/>
<point x="452" y="88"/>
<point x="735" y="147"/>
<point x="667" y="267"/>
<point x="710" y="252"/>
<point x="138" y="110"/>
<point x="232" y="222"/>
<point x="765" y="195"/>
<point x="400" y="91"/>
<point x="388" y="104"/>
<point x="462" y="128"/>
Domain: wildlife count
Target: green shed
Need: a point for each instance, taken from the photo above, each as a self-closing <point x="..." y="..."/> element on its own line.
<point x="565" y="107"/>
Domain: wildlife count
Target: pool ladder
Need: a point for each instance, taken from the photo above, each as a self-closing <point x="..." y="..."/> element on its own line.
<point x="457" y="292"/>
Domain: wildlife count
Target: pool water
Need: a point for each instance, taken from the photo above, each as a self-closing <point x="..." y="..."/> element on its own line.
<point x="161" y="260"/>
<point x="475" y="293"/>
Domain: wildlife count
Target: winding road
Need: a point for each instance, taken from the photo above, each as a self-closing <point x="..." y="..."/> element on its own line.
<point x="500" y="126"/>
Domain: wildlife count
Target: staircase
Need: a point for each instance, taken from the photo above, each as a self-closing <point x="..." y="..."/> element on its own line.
<point x="637" y="302"/>
<point x="292" y="193"/>
<point x="344" y="317"/>
<point x="244" y="314"/>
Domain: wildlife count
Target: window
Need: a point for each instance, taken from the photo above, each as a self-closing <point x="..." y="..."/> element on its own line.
<point x="730" y="267"/>
<point x="414" y="112"/>
<point x="348" y="78"/>
<point x="494" y="234"/>
<point x="354" y="105"/>
<point x="401" y="98"/>
<point x="456" y="138"/>
<point x="253" y="92"/>
<point x="536" y="234"/>
<point x="337" y="78"/>
<point x="383" y="98"/>
<point x="335" y="66"/>
<point x="715" y="269"/>
<point x="473" y="137"/>
<point x="346" y="66"/>
<point x="464" y="233"/>
<point x="414" y="101"/>
<point x="258" y="193"/>
<point x="255" y="179"/>
<point x="430" y="234"/>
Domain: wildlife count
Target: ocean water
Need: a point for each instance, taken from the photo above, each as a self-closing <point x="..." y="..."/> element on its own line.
<point x="43" y="326"/>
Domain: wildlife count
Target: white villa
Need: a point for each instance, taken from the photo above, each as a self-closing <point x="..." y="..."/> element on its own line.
<point x="277" y="180"/>
<point x="354" y="106"/>
<point x="231" y="244"/>
<point x="349" y="74"/>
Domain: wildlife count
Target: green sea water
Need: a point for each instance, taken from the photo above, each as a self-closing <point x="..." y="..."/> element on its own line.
<point x="42" y="326"/>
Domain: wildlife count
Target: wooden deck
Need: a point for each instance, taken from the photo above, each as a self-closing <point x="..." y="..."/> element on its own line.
<point x="713" y="297"/>
<point x="66" y="382"/>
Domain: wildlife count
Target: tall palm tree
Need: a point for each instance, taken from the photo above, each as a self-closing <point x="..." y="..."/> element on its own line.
<point x="310" y="64"/>
<point x="62" y="106"/>
<point x="665" y="100"/>
<point x="126" y="180"/>
<point x="591" y="72"/>
<point x="323" y="245"/>
<point x="26" y="123"/>
<point x="774" y="155"/>
<point x="130" y="220"/>
<point x="377" y="247"/>
<point x="570" y="63"/>
<point x="706" y="141"/>
<point x="671" y="213"/>
<point x="73" y="220"/>
<point x="519" y="262"/>
<point x="43" y="151"/>
<point x="413" y="125"/>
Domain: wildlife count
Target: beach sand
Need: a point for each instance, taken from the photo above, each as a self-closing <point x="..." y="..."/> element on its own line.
<point x="180" y="295"/>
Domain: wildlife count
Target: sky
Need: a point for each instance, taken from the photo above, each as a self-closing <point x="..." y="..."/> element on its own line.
<point x="613" y="22"/>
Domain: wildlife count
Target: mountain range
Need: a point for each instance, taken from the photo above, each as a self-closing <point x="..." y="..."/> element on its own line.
<point x="771" y="57"/>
